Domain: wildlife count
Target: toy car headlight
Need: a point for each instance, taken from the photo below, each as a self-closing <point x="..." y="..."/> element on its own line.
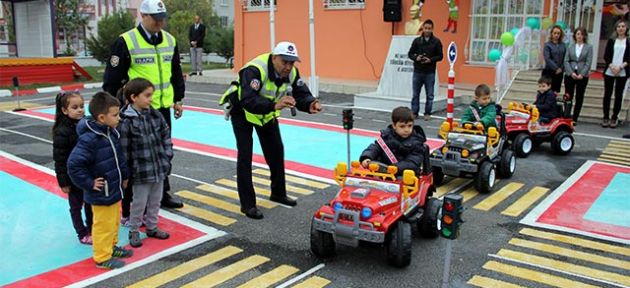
<point x="366" y="212"/>
<point x="465" y="153"/>
<point x="337" y="206"/>
<point x="444" y="149"/>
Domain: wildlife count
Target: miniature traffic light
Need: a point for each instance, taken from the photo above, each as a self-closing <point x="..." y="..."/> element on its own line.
<point x="451" y="216"/>
<point x="347" y="119"/>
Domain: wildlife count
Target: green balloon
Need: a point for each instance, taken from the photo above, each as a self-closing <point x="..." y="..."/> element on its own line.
<point x="494" y="55"/>
<point x="533" y="23"/>
<point x="562" y="24"/>
<point x="507" y="39"/>
<point x="522" y="57"/>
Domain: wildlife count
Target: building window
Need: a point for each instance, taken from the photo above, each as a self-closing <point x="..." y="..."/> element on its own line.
<point x="224" y="3"/>
<point x="224" y="21"/>
<point x="344" y="4"/>
<point x="490" y="18"/>
<point x="258" y="5"/>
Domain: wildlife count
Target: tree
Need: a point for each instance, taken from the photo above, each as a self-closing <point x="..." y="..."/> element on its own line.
<point x="69" y="21"/>
<point x="109" y="29"/>
<point x="178" y="24"/>
<point x="221" y="41"/>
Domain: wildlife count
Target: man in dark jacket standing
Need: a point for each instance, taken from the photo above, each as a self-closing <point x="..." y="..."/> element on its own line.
<point x="425" y="52"/>
<point x="196" y="33"/>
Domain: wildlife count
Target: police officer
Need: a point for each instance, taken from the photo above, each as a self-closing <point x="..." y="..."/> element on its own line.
<point x="149" y="52"/>
<point x="256" y="99"/>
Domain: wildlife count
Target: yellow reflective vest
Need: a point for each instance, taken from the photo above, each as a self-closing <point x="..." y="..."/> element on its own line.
<point x="152" y="62"/>
<point x="268" y="89"/>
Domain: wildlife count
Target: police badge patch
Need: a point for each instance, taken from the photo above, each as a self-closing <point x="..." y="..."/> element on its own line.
<point x="255" y="84"/>
<point x="300" y="82"/>
<point x="114" y="61"/>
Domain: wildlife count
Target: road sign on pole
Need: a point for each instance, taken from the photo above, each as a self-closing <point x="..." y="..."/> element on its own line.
<point x="452" y="53"/>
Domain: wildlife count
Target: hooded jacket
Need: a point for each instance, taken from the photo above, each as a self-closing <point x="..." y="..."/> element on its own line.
<point x="547" y="104"/>
<point x="98" y="154"/>
<point x="408" y="151"/>
<point x="145" y="139"/>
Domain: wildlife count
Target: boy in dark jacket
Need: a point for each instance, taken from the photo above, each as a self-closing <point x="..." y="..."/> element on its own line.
<point x="97" y="166"/>
<point x="546" y="100"/>
<point x="481" y="110"/>
<point x="146" y="142"/>
<point x="405" y="141"/>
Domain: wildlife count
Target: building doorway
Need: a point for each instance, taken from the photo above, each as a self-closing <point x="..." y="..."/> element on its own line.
<point x="587" y="14"/>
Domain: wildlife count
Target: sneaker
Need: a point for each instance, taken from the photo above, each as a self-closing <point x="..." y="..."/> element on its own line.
<point x="157" y="233"/>
<point x="613" y="123"/>
<point x="124" y="221"/>
<point x="134" y="239"/>
<point x="87" y="240"/>
<point x="604" y="123"/>
<point x="427" y="117"/>
<point x="120" y="252"/>
<point x="110" y="264"/>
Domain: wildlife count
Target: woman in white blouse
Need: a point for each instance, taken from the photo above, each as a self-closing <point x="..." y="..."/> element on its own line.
<point x="577" y="66"/>
<point x="617" y="57"/>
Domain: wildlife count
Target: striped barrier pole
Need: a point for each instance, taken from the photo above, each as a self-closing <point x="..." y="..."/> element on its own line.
<point x="450" y="96"/>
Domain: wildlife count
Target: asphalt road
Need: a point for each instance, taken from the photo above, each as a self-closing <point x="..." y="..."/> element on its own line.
<point x="283" y="236"/>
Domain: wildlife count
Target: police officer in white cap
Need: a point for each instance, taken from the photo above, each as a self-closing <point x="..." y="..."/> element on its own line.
<point x="149" y="52"/>
<point x="266" y="85"/>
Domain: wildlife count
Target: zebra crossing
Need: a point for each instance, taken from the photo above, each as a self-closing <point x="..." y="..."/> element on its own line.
<point x="491" y="201"/>
<point x="230" y="264"/>
<point x="616" y="152"/>
<point x="537" y="257"/>
<point x="218" y="202"/>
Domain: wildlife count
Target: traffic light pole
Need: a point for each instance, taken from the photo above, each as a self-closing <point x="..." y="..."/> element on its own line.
<point x="447" y="264"/>
<point x="347" y="119"/>
<point x="348" y="144"/>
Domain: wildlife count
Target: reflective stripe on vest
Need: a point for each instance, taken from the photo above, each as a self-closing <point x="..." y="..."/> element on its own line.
<point x="152" y="62"/>
<point x="268" y="89"/>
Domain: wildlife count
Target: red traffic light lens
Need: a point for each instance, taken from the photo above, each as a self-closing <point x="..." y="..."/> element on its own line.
<point x="448" y="206"/>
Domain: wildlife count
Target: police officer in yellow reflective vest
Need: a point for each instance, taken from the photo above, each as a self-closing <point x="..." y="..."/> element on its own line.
<point x="149" y="52"/>
<point x="256" y="99"/>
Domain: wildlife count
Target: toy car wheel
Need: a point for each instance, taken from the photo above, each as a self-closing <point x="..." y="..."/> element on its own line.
<point x="507" y="164"/>
<point x="485" y="178"/>
<point x="522" y="145"/>
<point x="322" y="243"/>
<point x="399" y="246"/>
<point x="427" y="225"/>
<point x="562" y="143"/>
<point x="438" y="176"/>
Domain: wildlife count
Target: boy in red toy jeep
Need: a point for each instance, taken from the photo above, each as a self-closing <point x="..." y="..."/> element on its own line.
<point x="401" y="144"/>
<point x="546" y="100"/>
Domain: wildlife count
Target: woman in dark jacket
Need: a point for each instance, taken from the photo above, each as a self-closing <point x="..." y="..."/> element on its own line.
<point x="577" y="66"/>
<point x="617" y="57"/>
<point x="554" y="51"/>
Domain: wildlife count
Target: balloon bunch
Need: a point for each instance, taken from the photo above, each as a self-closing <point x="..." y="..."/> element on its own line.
<point x="508" y="38"/>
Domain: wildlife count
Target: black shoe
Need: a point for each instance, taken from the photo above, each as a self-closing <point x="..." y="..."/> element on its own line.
<point x="170" y="202"/>
<point x="200" y="73"/>
<point x="283" y="200"/>
<point x="192" y="73"/>
<point x="253" y="213"/>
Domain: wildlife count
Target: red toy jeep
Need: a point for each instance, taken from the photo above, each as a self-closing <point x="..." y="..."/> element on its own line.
<point x="525" y="131"/>
<point x="375" y="206"/>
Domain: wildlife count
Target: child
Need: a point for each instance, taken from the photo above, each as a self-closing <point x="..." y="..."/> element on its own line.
<point x="68" y="113"/>
<point x="146" y="141"/>
<point x="546" y="100"/>
<point x="481" y="110"/>
<point x="405" y="141"/>
<point x="98" y="167"/>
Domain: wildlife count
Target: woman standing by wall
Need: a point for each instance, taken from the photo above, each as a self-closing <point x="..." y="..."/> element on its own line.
<point x="577" y="66"/>
<point x="554" y="57"/>
<point x="617" y="57"/>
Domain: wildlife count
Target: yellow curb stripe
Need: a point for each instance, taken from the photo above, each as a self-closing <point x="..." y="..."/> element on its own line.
<point x="498" y="196"/>
<point x="290" y="188"/>
<point x="469" y="194"/>
<point x="564" y="266"/>
<point x="313" y="282"/>
<point x="615" y="157"/>
<point x="525" y="201"/>
<point x="448" y="187"/>
<point x="187" y="267"/>
<point x="576" y="241"/>
<point x="295" y="179"/>
<point x="226" y="273"/>
<point x="535" y="276"/>
<point x="8" y="106"/>
<point x="618" y="146"/>
<point x="271" y="277"/>
<point x="558" y="250"/>
<point x="234" y="195"/>
<point x="486" y="282"/>
<point x="233" y="184"/>
<point x="617" y="142"/>
<point x="207" y="215"/>
<point x="627" y="163"/>
<point x="616" y="150"/>
<point x="211" y="201"/>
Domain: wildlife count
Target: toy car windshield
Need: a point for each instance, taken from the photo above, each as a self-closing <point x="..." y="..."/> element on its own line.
<point x="461" y="137"/>
<point x="371" y="184"/>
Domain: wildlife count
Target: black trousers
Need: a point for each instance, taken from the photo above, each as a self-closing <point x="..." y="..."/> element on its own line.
<point x="75" y="199"/>
<point x="273" y="151"/>
<point x="166" y="112"/>
<point x="576" y="88"/>
<point x="619" y="83"/>
<point x="556" y="79"/>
